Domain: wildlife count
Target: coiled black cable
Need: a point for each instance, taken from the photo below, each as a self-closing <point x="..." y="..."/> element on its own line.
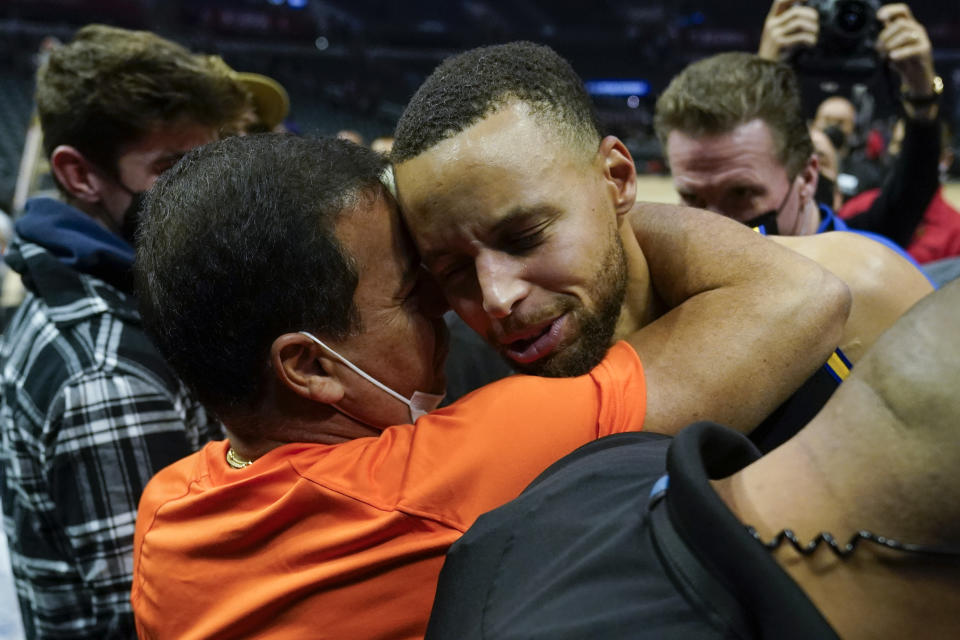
<point x="848" y="549"/>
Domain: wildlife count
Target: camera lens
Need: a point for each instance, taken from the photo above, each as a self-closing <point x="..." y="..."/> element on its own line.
<point x="851" y="16"/>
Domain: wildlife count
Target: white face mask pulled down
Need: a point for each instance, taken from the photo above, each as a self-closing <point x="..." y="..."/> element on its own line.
<point x="420" y="403"/>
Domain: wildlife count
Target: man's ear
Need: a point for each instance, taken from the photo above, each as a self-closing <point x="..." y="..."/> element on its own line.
<point x="75" y="174"/>
<point x="301" y="366"/>
<point x="808" y="178"/>
<point x="620" y="173"/>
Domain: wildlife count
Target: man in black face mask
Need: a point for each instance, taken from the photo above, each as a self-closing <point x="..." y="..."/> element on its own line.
<point x="733" y="130"/>
<point x="745" y="155"/>
<point x="90" y="411"/>
<point x="729" y="100"/>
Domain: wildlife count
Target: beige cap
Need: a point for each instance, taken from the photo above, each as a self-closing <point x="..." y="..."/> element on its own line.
<point x="269" y="97"/>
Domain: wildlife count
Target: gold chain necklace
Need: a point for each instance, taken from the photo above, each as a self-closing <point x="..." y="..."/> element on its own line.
<point x="236" y="461"/>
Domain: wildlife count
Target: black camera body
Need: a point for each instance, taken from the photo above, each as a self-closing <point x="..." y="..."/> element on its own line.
<point x="847" y="41"/>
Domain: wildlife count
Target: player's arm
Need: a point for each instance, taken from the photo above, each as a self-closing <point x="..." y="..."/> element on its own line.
<point x="748" y="320"/>
<point x="883" y="284"/>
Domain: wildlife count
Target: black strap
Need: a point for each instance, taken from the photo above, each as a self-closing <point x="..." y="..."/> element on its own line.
<point x="695" y="582"/>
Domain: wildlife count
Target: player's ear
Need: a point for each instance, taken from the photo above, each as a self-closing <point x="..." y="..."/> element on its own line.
<point x="619" y="173"/>
<point x="304" y="368"/>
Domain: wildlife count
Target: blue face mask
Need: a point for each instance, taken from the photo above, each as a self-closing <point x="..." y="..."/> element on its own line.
<point x="420" y="403"/>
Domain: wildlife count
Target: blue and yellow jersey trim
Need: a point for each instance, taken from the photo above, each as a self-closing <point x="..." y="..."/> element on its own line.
<point x="801" y="407"/>
<point x="838" y="366"/>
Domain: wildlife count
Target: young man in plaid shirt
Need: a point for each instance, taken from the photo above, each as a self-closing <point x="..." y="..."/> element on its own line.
<point x="90" y="410"/>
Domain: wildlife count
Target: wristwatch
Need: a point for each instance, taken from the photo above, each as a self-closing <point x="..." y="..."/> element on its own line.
<point x="936" y="89"/>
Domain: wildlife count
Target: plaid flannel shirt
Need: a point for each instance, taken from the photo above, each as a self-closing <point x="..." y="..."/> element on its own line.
<point x="90" y="411"/>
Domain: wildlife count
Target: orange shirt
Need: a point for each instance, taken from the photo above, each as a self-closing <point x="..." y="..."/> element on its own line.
<point x="347" y="540"/>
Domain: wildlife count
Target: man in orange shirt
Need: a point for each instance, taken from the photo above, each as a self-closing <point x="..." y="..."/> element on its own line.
<point x="277" y="278"/>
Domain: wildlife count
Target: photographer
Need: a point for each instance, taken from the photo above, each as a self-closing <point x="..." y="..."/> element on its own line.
<point x="793" y="28"/>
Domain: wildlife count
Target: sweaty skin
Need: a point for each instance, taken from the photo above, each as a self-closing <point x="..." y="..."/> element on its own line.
<point x="883" y="285"/>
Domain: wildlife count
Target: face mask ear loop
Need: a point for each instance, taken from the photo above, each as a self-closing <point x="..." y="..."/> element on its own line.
<point x="357" y="370"/>
<point x="798" y="221"/>
<point x="776" y="214"/>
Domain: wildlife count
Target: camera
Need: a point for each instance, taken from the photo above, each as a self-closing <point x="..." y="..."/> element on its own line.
<point x="848" y="35"/>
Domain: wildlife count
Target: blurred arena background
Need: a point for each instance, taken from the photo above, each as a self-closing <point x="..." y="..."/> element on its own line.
<point x="352" y="64"/>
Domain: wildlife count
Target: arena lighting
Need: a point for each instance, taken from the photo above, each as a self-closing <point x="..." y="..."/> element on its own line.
<point x="633" y="102"/>
<point x="297" y="4"/>
<point x="322" y="43"/>
<point x="693" y="20"/>
<point x="639" y="88"/>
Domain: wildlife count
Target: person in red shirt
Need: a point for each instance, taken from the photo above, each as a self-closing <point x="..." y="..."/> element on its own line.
<point x="938" y="235"/>
<point x="277" y="278"/>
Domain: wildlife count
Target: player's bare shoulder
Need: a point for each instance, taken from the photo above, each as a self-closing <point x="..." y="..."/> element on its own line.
<point x="882" y="282"/>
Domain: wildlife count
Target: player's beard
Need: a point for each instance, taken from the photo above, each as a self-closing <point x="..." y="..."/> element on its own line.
<point x="594" y="327"/>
